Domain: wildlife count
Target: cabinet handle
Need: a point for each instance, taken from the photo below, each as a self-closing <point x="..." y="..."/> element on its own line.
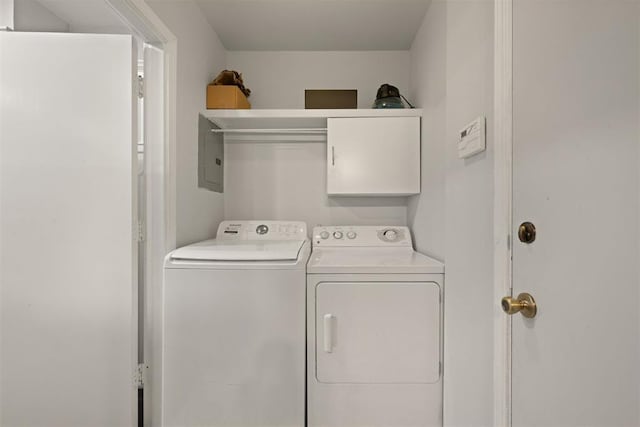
<point x="328" y="333"/>
<point x="333" y="156"/>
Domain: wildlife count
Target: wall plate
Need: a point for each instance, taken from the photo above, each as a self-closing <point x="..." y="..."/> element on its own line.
<point x="471" y="139"/>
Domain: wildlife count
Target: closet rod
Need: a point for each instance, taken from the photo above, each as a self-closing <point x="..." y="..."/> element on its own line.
<point x="287" y="130"/>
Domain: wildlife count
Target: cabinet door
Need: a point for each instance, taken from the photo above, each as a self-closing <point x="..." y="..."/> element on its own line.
<point x="378" y="332"/>
<point x="373" y="156"/>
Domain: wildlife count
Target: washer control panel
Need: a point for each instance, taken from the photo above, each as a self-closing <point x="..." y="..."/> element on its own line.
<point x="361" y="236"/>
<point x="262" y="230"/>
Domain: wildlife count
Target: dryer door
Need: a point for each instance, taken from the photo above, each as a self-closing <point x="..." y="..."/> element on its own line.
<point x="378" y="332"/>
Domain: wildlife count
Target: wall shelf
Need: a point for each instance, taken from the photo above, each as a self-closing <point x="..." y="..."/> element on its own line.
<point x="289" y="121"/>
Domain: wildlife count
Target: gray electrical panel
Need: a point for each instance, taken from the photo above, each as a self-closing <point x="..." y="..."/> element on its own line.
<point x="210" y="156"/>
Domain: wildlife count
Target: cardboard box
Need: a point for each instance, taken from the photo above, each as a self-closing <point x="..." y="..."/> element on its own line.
<point x="330" y="99"/>
<point x="226" y="97"/>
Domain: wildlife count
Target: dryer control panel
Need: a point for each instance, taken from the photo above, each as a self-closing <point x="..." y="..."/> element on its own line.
<point x="262" y="230"/>
<point x="362" y="236"/>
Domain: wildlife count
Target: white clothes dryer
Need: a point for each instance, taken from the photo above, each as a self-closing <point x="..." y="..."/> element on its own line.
<point x="234" y="328"/>
<point x="374" y="330"/>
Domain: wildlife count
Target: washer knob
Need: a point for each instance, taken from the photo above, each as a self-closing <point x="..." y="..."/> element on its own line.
<point x="391" y="235"/>
<point x="262" y="229"/>
<point x="324" y="235"/>
<point x="351" y="234"/>
<point x="337" y="234"/>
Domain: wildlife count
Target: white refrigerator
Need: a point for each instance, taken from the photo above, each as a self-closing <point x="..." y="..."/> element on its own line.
<point x="68" y="266"/>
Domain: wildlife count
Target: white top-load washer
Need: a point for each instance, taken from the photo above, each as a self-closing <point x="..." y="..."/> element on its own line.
<point x="374" y="329"/>
<point x="234" y="328"/>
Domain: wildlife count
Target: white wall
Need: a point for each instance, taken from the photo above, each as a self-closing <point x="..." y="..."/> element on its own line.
<point x="288" y="180"/>
<point x="278" y="79"/>
<point x="92" y="29"/>
<point x="452" y="78"/>
<point x="469" y="219"/>
<point x="200" y="57"/>
<point x="6" y="14"/>
<point x="29" y="15"/>
<point x="428" y="80"/>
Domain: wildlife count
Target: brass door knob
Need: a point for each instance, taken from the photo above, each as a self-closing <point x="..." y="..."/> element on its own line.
<point x="525" y="304"/>
<point x="527" y="232"/>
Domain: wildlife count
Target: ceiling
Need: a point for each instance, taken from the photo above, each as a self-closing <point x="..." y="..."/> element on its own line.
<point x="279" y="24"/>
<point x="84" y="14"/>
<point x="315" y="24"/>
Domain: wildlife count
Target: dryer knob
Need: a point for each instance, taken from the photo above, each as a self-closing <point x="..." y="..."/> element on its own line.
<point x="324" y="235"/>
<point x="391" y="235"/>
<point x="351" y="234"/>
<point x="337" y="234"/>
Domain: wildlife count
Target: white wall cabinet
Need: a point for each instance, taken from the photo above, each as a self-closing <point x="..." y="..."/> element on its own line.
<point x="370" y="152"/>
<point x="373" y="156"/>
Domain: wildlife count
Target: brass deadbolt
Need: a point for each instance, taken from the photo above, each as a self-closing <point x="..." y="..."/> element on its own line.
<point x="527" y="232"/>
<point x="524" y="304"/>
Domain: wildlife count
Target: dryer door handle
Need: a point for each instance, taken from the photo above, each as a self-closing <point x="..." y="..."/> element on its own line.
<point x="328" y="332"/>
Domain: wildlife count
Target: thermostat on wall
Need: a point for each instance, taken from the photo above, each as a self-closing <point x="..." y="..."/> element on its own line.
<point x="472" y="138"/>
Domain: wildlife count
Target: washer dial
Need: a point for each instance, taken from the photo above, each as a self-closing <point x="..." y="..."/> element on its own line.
<point x="390" y="235"/>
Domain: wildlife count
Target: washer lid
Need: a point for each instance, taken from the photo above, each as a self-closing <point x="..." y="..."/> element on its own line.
<point x="247" y="250"/>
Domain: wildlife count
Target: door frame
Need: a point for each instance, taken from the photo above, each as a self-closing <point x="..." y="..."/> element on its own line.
<point x="148" y="27"/>
<point x="145" y="24"/>
<point x="502" y="207"/>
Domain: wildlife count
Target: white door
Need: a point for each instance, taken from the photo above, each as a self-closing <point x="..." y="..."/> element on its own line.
<point x="576" y="112"/>
<point x="68" y="263"/>
<point x="378" y="332"/>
